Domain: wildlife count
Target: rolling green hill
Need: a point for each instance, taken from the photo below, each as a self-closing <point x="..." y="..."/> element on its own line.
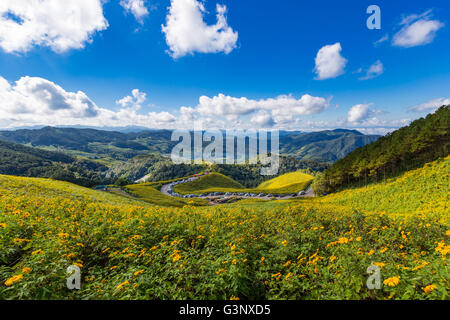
<point x="286" y="180"/>
<point x="150" y="194"/>
<point x="211" y="181"/>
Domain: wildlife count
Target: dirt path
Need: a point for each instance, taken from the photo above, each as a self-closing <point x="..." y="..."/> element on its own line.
<point x="309" y="193"/>
<point x="164" y="190"/>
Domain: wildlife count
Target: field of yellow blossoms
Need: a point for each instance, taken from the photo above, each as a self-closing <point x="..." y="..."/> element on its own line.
<point x="304" y="249"/>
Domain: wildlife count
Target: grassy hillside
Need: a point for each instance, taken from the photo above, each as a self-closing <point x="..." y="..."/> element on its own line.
<point x="286" y="180"/>
<point x="150" y="194"/>
<point x="424" y="191"/>
<point x="213" y="180"/>
<point x="128" y="249"/>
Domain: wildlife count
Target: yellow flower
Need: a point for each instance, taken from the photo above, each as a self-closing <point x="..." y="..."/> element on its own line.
<point x="39" y="251"/>
<point x="175" y="257"/>
<point x="234" y="298"/>
<point x="343" y="240"/>
<point x="113" y="267"/>
<point x="262" y="259"/>
<point x="284" y="243"/>
<point x="3" y="225"/>
<point x="277" y="276"/>
<point x="122" y="284"/>
<point x="78" y="264"/>
<point x="447" y="233"/>
<point x="139" y="272"/>
<point x="26" y="270"/>
<point x="392" y="282"/>
<point x="430" y="288"/>
<point x="442" y="248"/>
<point x="13" y="279"/>
<point x="380" y="264"/>
<point x="19" y="241"/>
<point x="371" y="252"/>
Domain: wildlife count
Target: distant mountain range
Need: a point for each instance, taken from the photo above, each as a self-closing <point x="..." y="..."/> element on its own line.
<point x="89" y="156"/>
<point x="322" y="146"/>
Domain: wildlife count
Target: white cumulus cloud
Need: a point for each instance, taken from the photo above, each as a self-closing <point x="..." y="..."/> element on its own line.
<point x="417" y="30"/>
<point x="60" y="25"/>
<point x="430" y="106"/>
<point x="285" y="105"/>
<point x="186" y="31"/>
<point x="135" y="100"/>
<point x="262" y="119"/>
<point x="359" y="113"/>
<point x="329" y="62"/>
<point x="37" y="101"/>
<point x="37" y="97"/>
<point x="137" y="8"/>
<point x="374" y="71"/>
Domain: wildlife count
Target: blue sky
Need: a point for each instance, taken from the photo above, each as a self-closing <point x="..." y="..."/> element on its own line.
<point x="254" y="67"/>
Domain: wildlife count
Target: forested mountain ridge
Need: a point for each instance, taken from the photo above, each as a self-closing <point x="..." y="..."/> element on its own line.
<point x="407" y="148"/>
<point x="325" y="146"/>
<point x="20" y="160"/>
<point x="249" y="175"/>
<point x="94" y="143"/>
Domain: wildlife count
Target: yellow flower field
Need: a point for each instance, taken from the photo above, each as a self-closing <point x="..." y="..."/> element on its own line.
<point x="300" y="249"/>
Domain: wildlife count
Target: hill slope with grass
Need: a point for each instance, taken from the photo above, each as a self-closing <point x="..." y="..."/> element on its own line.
<point x="286" y="180"/>
<point x="424" y="191"/>
<point x="303" y="249"/>
<point x="212" y="180"/>
<point x="151" y="194"/>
